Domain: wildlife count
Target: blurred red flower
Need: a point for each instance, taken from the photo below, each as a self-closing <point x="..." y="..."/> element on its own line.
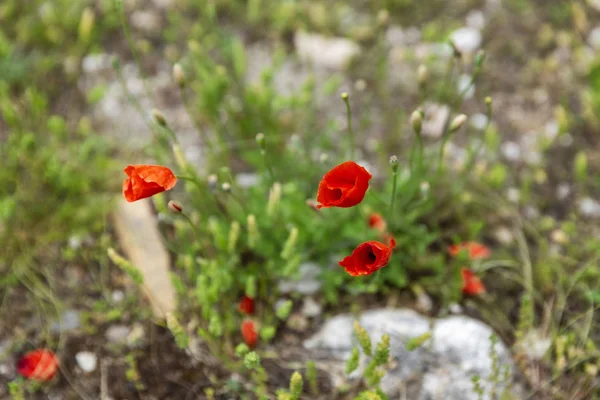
<point x="472" y="285"/>
<point x="475" y="250"/>
<point x="249" y="333"/>
<point x="377" y="222"/>
<point x="39" y="365"/>
<point x="368" y="257"/>
<point x="246" y="305"/>
<point x="343" y="186"/>
<point x="147" y="180"/>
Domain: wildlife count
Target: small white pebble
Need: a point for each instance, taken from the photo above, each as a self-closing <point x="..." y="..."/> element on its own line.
<point x="589" y="207"/>
<point x="513" y="195"/>
<point x="87" y="361"/>
<point x="562" y="191"/>
<point x="118" y="296"/>
<point x="511" y="150"/>
<point x="479" y="121"/>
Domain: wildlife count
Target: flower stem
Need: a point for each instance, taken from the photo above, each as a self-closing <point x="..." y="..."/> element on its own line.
<point x="345" y="97"/>
<point x="394" y="165"/>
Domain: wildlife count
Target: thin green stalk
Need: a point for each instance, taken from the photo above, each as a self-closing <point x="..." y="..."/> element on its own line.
<point x="345" y="97"/>
<point x="394" y="165"/>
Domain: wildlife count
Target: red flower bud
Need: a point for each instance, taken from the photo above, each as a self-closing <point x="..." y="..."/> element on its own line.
<point x="249" y="333"/>
<point x="247" y="305"/>
<point x="472" y="285"/>
<point x="39" y="365"/>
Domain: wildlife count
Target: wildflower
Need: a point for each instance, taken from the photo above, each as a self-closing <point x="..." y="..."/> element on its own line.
<point x="147" y="180"/>
<point x="476" y="250"/>
<point x="249" y="333"/>
<point x="39" y="364"/>
<point x="472" y="285"/>
<point x="377" y="222"/>
<point x="368" y="257"/>
<point x="343" y="186"/>
<point x="246" y="305"/>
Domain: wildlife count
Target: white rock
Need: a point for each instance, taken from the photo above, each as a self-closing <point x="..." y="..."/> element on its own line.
<point x="246" y="181"/>
<point x="118" y="296"/>
<point x="96" y="63"/>
<point x="458" y="350"/>
<point x="163" y="3"/>
<point x="87" y="361"/>
<point x="397" y="36"/>
<point x="308" y="282"/>
<point x="479" y="121"/>
<point x="534" y="345"/>
<point x="503" y="235"/>
<point x="511" y="150"/>
<point x="589" y="207"/>
<point x="311" y="308"/>
<point x="513" y="195"/>
<point x="594" y="38"/>
<point x="435" y="118"/>
<point x="595" y="4"/>
<point x="117" y="333"/>
<point x="562" y="191"/>
<point x="146" y="20"/>
<point x="334" y="53"/>
<point x="69" y="321"/>
<point x="464" y="83"/>
<point x="467" y="39"/>
<point x="476" y="19"/>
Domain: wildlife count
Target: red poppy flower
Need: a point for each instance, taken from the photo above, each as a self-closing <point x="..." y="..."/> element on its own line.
<point x="147" y="180"/>
<point x="472" y="285"/>
<point x="249" y="333"/>
<point x="40" y="365"/>
<point x="343" y="186"/>
<point x="368" y="257"/>
<point x="377" y="222"/>
<point x="247" y="305"/>
<point x="476" y="250"/>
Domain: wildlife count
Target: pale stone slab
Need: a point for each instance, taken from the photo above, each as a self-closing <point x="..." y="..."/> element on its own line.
<point x="137" y="230"/>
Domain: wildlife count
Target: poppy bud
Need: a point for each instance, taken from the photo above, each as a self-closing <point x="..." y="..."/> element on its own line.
<point x="260" y="140"/>
<point x="290" y="243"/>
<point x="344" y="96"/>
<point x="456" y="52"/>
<point x="174" y="207"/>
<point x="284" y="310"/>
<point x="422" y="75"/>
<point x="457" y="123"/>
<point x="212" y="182"/>
<point x="234" y="235"/>
<point x="178" y="75"/>
<point x="179" y="156"/>
<point x="383" y="17"/>
<point x="159" y="117"/>
<point x="249" y="333"/>
<point x="251" y="287"/>
<point x="274" y="200"/>
<point x="86" y="24"/>
<point x="226" y="187"/>
<point x="323" y="158"/>
<point x="416" y="120"/>
<point x="394" y="163"/>
<point x="252" y="231"/>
